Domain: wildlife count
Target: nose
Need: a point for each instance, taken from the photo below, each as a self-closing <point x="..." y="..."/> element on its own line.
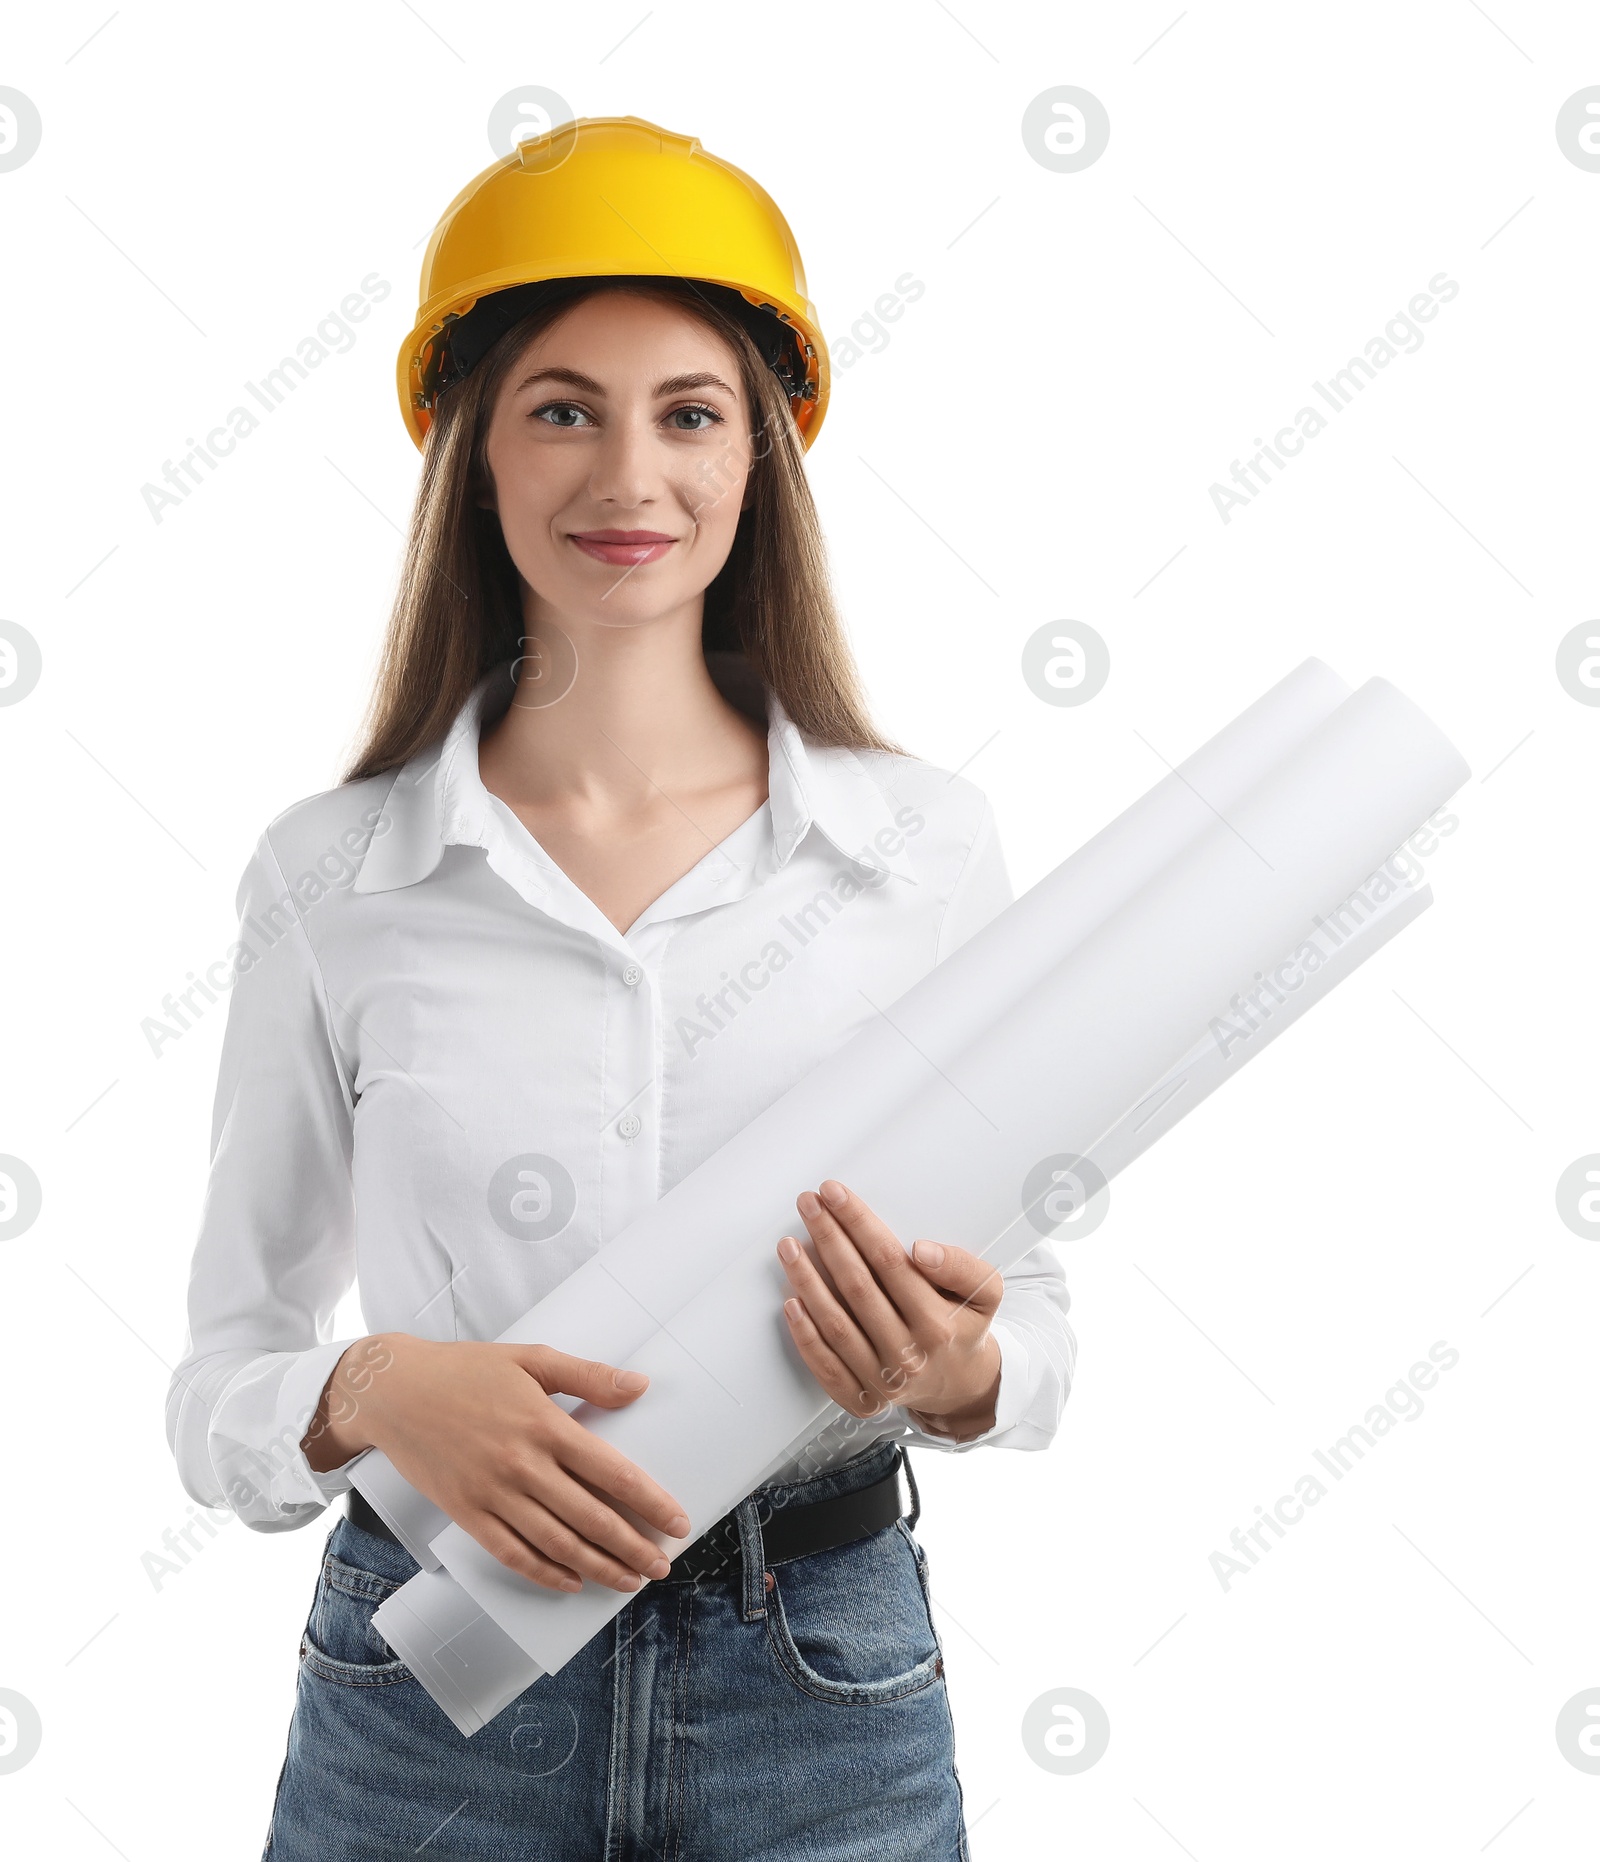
<point x="627" y="467"/>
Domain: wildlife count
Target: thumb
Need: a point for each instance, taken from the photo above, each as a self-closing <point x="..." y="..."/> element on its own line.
<point x="972" y="1279"/>
<point x="588" y="1378"/>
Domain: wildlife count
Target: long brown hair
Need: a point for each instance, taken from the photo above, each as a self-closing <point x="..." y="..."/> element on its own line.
<point x="458" y="609"/>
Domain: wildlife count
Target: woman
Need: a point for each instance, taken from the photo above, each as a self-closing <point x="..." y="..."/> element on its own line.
<point x="621" y="858"/>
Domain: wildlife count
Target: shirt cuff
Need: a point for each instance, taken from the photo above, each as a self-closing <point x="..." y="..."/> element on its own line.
<point x="256" y="1431"/>
<point x="1011" y="1399"/>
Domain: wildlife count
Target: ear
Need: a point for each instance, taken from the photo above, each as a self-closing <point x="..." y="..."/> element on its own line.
<point x="486" y="499"/>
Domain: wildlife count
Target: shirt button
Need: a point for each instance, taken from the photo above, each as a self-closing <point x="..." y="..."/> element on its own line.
<point x="632" y="974"/>
<point x="628" y="1125"/>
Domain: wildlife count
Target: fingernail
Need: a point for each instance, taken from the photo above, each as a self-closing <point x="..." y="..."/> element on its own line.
<point x="793" y="1308"/>
<point x="807" y="1203"/>
<point x="929" y="1253"/>
<point x="630" y="1380"/>
<point x="835" y="1194"/>
<point x="572" y="1583"/>
<point x="789" y="1249"/>
<point x="678" y="1525"/>
<point x="658" y="1569"/>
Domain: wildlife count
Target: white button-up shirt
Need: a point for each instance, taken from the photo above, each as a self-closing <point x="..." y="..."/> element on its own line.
<point x="449" y="1078"/>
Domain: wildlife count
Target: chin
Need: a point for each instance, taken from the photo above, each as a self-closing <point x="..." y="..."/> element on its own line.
<point x="627" y="606"/>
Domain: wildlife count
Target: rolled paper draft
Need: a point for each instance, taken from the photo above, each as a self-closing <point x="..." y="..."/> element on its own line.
<point x="471" y="1666"/>
<point x="1089" y="1044"/>
<point x="953" y="1002"/>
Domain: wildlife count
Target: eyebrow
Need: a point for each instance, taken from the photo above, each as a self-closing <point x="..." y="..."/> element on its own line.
<point x="674" y="384"/>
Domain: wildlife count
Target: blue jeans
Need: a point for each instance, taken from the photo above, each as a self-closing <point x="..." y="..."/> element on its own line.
<point x="792" y="1713"/>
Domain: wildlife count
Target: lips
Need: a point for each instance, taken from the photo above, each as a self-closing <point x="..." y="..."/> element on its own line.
<point x="627" y="547"/>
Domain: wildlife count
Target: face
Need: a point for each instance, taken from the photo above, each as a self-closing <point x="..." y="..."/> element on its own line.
<point x="619" y="449"/>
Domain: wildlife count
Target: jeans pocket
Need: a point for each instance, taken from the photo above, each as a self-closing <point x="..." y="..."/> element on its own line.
<point x="852" y="1624"/>
<point x="340" y="1642"/>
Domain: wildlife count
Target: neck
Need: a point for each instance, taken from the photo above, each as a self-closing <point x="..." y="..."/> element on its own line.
<point x="612" y="715"/>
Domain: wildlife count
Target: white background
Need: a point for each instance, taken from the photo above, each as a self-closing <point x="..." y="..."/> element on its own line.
<point x="1035" y="443"/>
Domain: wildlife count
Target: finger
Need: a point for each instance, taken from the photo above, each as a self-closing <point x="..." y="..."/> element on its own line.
<point x="880" y="1348"/>
<point x="921" y="1310"/>
<point x="607" y="1469"/>
<point x="920" y="1295"/>
<point x="580" y="1377"/>
<point x="860" y="1289"/>
<point x="548" y="1533"/>
<point x="834" y="1323"/>
<point x="827" y="1366"/>
<point x="516" y="1554"/>
<point x="596" y="1519"/>
<point x="965" y="1276"/>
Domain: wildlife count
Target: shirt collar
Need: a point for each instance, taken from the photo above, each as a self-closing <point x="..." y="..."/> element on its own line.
<point x="438" y="798"/>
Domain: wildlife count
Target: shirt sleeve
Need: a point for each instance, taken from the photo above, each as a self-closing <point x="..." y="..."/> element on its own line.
<point x="276" y="1247"/>
<point x="1038" y="1350"/>
<point x="1038" y="1353"/>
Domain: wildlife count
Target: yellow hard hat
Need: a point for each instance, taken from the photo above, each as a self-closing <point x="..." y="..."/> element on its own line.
<point x="609" y="196"/>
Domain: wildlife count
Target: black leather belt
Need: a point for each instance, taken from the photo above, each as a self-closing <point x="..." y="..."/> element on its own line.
<point x="794" y="1531"/>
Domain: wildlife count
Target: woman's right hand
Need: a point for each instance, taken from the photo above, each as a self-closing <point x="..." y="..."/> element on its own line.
<point x="471" y="1425"/>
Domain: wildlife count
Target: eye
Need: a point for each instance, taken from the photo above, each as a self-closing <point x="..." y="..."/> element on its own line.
<point x="566" y="414"/>
<point x="703" y="417"/>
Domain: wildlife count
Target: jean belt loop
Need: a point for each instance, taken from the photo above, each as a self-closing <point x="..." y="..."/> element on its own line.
<point x="751" y="1512"/>
<point x="911" y="1481"/>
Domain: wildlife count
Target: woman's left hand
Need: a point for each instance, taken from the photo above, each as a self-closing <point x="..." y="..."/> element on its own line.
<point x="878" y="1326"/>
